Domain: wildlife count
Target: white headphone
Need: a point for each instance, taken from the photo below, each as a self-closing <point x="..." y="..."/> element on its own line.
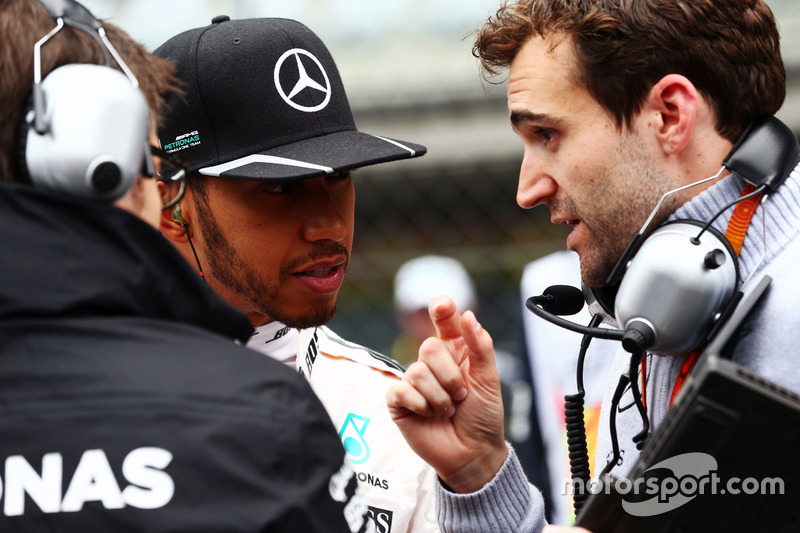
<point x="670" y="290"/>
<point x="86" y="133"/>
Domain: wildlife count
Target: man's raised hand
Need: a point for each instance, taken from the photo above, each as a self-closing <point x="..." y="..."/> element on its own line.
<point x="448" y="405"/>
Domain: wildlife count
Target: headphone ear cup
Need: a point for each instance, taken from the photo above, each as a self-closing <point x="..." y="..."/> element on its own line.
<point x="96" y="130"/>
<point x="601" y="302"/>
<point x="678" y="285"/>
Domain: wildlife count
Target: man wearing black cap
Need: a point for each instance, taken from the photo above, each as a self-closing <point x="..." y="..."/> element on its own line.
<point x="125" y="403"/>
<point x="269" y="138"/>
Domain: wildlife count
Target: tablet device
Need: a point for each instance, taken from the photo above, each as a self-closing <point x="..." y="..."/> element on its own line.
<point x="723" y="459"/>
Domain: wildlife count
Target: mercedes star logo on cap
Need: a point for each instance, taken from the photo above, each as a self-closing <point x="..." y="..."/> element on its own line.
<point x="304" y="81"/>
<point x="303" y="128"/>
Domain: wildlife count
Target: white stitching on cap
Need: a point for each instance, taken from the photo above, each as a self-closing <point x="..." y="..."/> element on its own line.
<point x="403" y="146"/>
<point x="217" y="170"/>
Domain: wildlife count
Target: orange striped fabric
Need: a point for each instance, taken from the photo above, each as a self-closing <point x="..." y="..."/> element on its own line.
<point x="740" y="220"/>
<point x="737" y="229"/>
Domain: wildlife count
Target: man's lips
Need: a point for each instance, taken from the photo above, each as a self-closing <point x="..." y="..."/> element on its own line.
<point x="573" y="222"/>
<point x="322" y="276"/>
<point x="318" y="267"/>
<point x="563" y="221"/>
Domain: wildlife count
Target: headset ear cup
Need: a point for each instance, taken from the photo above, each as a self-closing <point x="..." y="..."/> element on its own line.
<point x="678" y="284"/>
<point x="601" y="301"/>
<point x="97" y="124"/>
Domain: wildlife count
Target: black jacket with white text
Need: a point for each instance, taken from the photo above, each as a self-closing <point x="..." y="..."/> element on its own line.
<point x="125" y="404"/>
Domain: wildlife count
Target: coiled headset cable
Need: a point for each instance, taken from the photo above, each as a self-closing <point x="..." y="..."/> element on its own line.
<point x="576" y="430"/>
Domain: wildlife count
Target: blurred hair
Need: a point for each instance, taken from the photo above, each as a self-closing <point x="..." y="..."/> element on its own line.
<point x="729" y="49"/>
<point x="22" y="24"/>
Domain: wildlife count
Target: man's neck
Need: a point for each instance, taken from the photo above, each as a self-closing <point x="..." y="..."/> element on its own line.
<point x="258" y="319"/>
<point x="702" y="159"/>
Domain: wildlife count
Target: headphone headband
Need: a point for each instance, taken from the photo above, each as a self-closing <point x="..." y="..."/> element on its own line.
<point x="72" y="12"/>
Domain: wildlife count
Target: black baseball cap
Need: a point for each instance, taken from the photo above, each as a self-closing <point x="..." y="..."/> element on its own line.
<point x="263" y="100"/>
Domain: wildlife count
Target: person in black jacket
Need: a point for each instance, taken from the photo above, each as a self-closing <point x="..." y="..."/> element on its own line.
<point x="125" y="402"/>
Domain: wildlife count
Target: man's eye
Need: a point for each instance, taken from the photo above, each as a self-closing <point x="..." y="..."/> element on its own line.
<point x="346" y="174"/>
<point x="277" y="187"/>
<point x="545" y="134"/>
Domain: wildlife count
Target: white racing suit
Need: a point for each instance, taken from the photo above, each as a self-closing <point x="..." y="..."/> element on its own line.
<point x="351" y="381"/>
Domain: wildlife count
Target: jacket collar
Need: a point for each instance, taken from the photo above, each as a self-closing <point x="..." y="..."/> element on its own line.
<point x="73" y="257"/>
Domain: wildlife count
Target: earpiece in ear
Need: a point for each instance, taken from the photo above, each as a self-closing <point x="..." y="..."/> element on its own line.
<point x="177" y="215"/>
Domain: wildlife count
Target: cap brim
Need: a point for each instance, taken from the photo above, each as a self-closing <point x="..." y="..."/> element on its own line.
<point x="318" y="156"/>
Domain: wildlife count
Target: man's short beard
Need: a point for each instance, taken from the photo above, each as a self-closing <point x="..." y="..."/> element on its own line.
<point x="226" y="267"/>
<point x="319" y="317"/>
<point x="613" y="229"/>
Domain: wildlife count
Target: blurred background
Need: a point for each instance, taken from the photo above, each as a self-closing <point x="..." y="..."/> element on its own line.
<point x="409" y="74"/>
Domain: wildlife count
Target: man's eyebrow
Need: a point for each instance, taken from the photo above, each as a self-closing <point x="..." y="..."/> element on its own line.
<point x="518" y="117"/>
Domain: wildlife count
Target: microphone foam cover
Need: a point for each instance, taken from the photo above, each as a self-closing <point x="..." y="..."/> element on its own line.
<point x="566" y="300"/>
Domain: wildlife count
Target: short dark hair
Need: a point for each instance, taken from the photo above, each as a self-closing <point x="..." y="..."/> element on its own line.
<point x="729" y="49"/>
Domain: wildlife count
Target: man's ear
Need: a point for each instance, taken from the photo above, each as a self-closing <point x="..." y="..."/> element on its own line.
<point x="673" y="101"/>
<point x="175" y="227"/>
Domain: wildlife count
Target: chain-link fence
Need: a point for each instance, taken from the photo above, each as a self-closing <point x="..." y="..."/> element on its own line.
<point x="466" y="212"/>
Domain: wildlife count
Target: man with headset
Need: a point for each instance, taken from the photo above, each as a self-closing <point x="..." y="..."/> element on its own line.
<point x="125" y="404"/>
<point x="618" y="103"/>
<point x="266" y="129"/>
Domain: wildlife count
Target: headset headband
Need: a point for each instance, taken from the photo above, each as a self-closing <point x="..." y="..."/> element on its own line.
<point x="72" y="12"/>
